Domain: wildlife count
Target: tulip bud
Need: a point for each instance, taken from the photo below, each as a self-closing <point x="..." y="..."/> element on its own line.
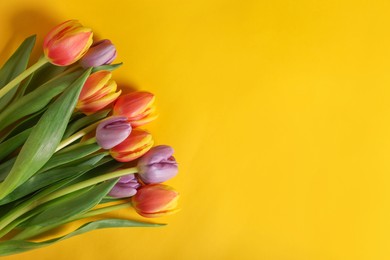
<point x="101" y="53"/>
<point x="98" y="92"/>
<point x="137" y="107"/>
<point x="126" y="187"/>
<point x="67" y="43"/>
<point x="155" y="200"/>
<point x="112" y="131"/>
<point x="157" y="165"/>
<point x="133" y="147"/>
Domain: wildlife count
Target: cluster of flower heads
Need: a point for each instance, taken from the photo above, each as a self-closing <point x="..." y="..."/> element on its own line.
<point x="70" y="42"/>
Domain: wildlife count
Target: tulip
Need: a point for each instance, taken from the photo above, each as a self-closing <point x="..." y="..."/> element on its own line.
<point x="155" y="200"/>
<point x="67" y="43"/>
<point x="157" y="165"/>
<point x="101" y="53"/>
<point x="126" y="187"/>
<point x="112" y="131"/>
<point x="97" y="92"/>
<point x="133" y="147"/>
<point x="137" y="107"/>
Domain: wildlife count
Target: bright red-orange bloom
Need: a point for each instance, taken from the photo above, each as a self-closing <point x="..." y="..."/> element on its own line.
<point x="97" y="92"/>
<point x="137" y="107"/>
<point x="155" y="200"/>
<point x="133" y="147"/>
<point x="67" y="43"/>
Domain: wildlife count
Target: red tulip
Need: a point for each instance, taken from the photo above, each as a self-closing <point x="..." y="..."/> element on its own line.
<point x="67" y="43"/>
<point x="137" y="107"/>
<point x="155" y="200"/>
<point x="97" y="93"/>
<point x="133" y="147"/>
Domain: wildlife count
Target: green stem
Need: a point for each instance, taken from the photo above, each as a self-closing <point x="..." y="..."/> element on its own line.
<point x="77" y="135"/>
<point x="29" y="205"/>
<point x="89" y="182"/>
<point x="19" y="210"/>
<point x="99" y="211"/>
<point x="72" y="147"/>
<point x="13" y="83"/>
<point x="33" y="231"/>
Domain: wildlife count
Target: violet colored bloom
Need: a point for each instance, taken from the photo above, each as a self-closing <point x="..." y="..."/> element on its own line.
<point x="126" y="187"/>
<point x="157" y="165"/>
<point x="100" y="53"/>
<point x="112" y="131"/>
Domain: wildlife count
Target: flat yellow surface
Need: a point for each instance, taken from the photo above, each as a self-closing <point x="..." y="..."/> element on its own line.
<point x="279" y="112"/>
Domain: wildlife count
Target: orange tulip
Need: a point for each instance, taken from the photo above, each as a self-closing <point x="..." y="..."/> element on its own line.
<point x="137" y="107"/>
<point x="133" y="147"/>
<point x="155" y="200"/>
<point x="67" y="43"/>
<point x="97" y="93"/>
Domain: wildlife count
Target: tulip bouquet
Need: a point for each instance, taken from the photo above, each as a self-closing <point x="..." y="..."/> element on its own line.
<point x="72" y="145"/>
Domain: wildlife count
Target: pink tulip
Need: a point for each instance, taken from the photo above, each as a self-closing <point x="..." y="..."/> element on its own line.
<point x="112" y="131"/>
<point x="126" y="187"/>
<point x="101" y="53"/>
<point x="157" y="165"/>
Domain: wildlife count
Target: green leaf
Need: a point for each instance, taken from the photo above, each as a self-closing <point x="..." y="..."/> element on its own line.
<point x="43" y="75"/>
<point x="61" y="158"/>
<point x="84" y="122"/>
<point x="24" y="123"/>
<point x="36" y="100"/>
<point x="44" y="179"/>
<point x="15" y="65"/>
<point x="13" y="143"/>
<point x="22" y="87"/>
<point x="18" y="246"/>
<point x="72" y="204"/>
<point x="103" y="168"/>
<point x="44" y="138"/>
<point x="95" y="158"/>
<point x="110" y="67"/>
<point x="6" y="167"/>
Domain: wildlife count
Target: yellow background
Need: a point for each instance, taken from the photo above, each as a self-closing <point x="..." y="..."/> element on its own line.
<point x="279" y="113"/>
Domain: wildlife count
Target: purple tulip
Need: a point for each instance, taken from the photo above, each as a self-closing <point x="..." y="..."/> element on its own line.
<point x="157" y="165"/>
<point x="100" y="53"/>
<point x="112" y="131"/>
<point x="126" y="187"/>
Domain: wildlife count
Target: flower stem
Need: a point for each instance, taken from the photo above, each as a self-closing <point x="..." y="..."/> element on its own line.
<point x="72" y="147"/>
<point x="33" y="231"/>
<point x="77" y="135"/>
<point x="89" y="182"/>
<point x="29" y="205"/>
<point x="99" y="211"/>
<point x="13" y="83"/>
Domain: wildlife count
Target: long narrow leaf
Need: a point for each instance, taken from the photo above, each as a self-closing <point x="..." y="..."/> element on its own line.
<point x="24" y="123"/>
<point x="109" y="67"/>
<point x="13" y="143"/>
<point x="44" y="179"/>
<point x="84" y="122"/>
<point x="6" y="167"/>
<point x="18" y="246"/>
<point x="43" y="75"/>
<point x="44" y="138"/>
<point x="16" y="64"/>
<point x="36" y="100"/>
<point x="69" y="156"/>
<point x="68" y="206"/>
